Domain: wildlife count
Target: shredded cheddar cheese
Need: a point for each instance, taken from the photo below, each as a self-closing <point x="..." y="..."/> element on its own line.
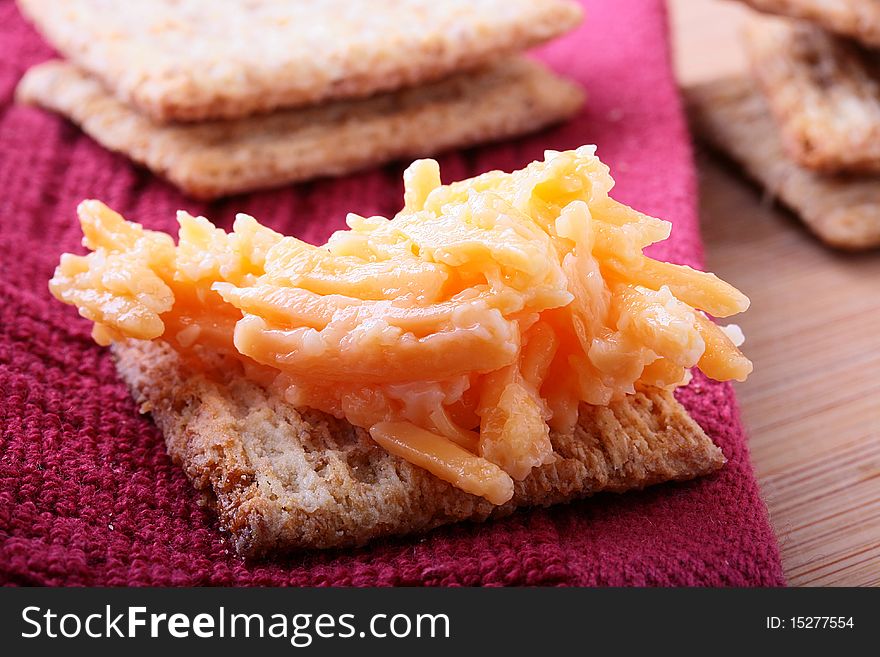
<point x="458" y="333"/>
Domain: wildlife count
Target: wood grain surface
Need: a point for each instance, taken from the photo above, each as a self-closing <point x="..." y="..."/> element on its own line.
<point x="812" y="406"/>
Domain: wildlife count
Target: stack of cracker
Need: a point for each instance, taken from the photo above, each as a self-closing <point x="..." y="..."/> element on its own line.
<point x="222" y="98"/>
<point x="806" y="123"/>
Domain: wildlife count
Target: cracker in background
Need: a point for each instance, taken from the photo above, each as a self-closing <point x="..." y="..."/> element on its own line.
<point x="858" y="19"/>
<point x="284" y="479"/>
<point x="824" y="92"/>
<point x="218" y="158"/>
<point x="731" y="114"/>
<point x="192" y="60"/>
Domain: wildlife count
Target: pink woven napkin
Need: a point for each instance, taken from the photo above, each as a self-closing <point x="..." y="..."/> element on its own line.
<point x="87" y="492"/>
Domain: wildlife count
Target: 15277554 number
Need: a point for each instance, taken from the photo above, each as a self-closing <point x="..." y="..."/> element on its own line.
<point x="810" y="623"/>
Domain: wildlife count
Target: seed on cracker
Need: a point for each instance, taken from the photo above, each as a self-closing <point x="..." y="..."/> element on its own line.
<point x="824" y="92"/>
<point x="190" y="60"/>
<point x="842" y="210"/>
<point x="219" y="158"/>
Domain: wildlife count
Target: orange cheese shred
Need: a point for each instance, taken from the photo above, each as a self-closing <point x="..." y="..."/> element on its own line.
<point x="461" y="333"/>
<point x="444" y="459"/>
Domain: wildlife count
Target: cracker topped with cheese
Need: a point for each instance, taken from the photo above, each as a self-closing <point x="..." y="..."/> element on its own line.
<point x="502" y="341"/>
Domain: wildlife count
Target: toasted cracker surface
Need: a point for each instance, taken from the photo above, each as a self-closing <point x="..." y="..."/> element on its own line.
<point x="843" y="211"/>
<point x="858" y="19"/>
<point x="824" y="92"/>
<point x="192" y="60"/>
<point x="218" y="158"/>
<point x="286" y="479"/>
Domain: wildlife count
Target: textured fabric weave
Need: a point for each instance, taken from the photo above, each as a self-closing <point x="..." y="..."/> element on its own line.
<point x="87" y="492"/>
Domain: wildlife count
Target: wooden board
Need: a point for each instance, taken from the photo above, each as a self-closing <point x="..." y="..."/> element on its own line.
<point x="812" y="406"/>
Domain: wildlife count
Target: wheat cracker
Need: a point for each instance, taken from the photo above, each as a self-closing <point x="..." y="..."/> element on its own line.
<point x="842" y="210"/>
<point x="824" y="92"/>
<point x="192" y="60"/>
<point x="219" y="158"/>
<point x="284" y="479"/>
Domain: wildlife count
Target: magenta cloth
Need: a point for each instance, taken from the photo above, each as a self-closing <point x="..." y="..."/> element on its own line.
<point x="88" y="495"/>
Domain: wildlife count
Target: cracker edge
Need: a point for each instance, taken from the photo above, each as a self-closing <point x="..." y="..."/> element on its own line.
<point x="863" y="26"/>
